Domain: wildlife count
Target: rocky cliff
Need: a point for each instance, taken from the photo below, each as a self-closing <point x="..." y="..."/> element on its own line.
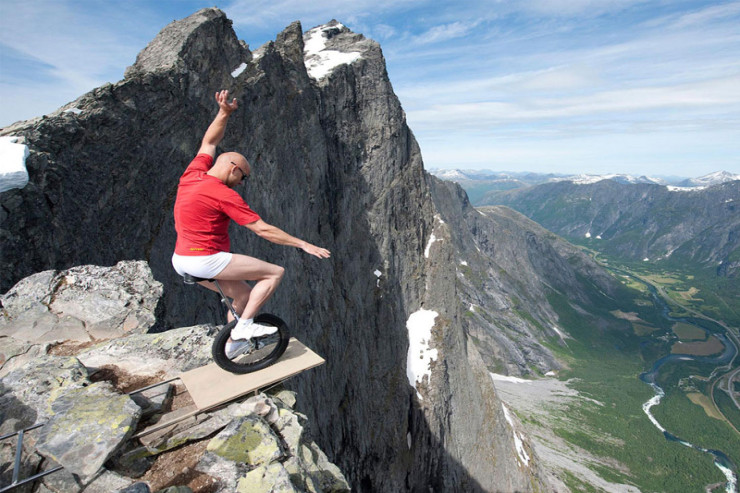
<point x="333" y="162"/>
<point x="506" y="268"/>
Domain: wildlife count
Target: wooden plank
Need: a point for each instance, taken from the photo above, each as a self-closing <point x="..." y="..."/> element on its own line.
<point x="210" y="386"/>
<point x="166" y="424"/>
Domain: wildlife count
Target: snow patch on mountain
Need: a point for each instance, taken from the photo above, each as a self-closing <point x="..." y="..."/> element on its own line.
<point x="13" y="173"/>
<point x="319" y="61"/>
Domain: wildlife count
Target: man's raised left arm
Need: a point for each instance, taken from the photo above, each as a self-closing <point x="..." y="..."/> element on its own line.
<point x="215" y="132"/>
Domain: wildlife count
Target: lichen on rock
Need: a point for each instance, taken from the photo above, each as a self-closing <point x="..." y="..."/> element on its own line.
<point x="249" y="440"/>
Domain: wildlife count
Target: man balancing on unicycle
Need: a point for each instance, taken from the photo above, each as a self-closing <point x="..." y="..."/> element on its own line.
<point x="206" y="203"/>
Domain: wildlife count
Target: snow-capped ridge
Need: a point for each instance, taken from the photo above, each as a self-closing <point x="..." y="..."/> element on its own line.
<point x="586" y="179"/>
<point x="715" y="178"/>
<point x="531" y="178"/>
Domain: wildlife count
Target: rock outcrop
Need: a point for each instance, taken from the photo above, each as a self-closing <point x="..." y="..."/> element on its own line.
<point x="333" y="162"/>
<point x="81" y="304"/>
<point x="258" y="444"/>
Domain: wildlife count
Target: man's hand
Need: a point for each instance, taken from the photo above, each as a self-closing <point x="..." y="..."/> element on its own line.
<point x="215" y="132"/>
<point x="222" y="98"/>
<point x="316" y="251"/>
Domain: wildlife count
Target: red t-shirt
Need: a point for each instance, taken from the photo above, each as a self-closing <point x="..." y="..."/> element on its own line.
<point x="203" y="209"/>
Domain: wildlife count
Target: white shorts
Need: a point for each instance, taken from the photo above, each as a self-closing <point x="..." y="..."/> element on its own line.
<point x="205" y="266"/>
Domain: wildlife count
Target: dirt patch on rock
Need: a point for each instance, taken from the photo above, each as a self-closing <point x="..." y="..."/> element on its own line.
<point x="177" y="468"/>
<point x="71" y="348"/>
<point x="123" y="380"/>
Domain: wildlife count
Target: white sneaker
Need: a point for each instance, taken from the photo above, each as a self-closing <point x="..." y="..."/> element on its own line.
<point x="244" y="331"/>
<point x="235" y="348"/>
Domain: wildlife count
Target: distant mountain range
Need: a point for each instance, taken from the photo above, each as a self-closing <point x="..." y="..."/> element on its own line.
<point x="643" y="221"/>
<point x="483" y="185"/>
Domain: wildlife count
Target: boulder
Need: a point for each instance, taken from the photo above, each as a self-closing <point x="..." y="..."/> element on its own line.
<point x="307" y="460"/>
<point x="87" y="427"/>
<point x="167" y="354"/>
<point x="63" y="481"/>
<point x="83" y="303"/>
<point x="14" y="354"/>
<point x="272" y="477"/>
<point x="26" y="394"/>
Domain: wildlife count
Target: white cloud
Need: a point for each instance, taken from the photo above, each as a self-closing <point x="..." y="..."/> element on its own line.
<point x="445" y="32"/>
<point x="526" y="82"/>
<point x="702" y="17"/>
<point x="690" y="153"/>
<point x="382" y="31"/>
<point x="573" y="8"/>
<point x="708" y="97"/>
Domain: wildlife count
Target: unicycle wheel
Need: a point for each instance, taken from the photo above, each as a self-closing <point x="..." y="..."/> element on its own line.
<point x="263" y="351"/>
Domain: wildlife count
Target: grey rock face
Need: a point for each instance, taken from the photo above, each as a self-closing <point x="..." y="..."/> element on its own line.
<point x="505" y="267"/>
<point x="333" y="162"/>
<point x="248" y="440"/>
<point x="166" y="354"/>
<point x="267" y="447"/>
<point x="190" y="45"/>
<point x="23" y="403"/>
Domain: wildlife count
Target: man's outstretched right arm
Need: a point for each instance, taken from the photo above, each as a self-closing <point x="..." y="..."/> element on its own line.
<point x="215" y="132"/>
<point x="280" y="237"/>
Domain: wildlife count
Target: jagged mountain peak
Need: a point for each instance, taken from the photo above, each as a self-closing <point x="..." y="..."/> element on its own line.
<point x="203" y="38"/>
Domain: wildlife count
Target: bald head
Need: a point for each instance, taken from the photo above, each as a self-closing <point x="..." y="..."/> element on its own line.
<point x="231" y="168"/>
<point x="227" y="158"/>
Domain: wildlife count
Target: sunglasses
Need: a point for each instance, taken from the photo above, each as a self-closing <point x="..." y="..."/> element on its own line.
<point x="244" y="175"/>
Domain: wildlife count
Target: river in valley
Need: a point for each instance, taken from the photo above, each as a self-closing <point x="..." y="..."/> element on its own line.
<point x="723" y="360"/>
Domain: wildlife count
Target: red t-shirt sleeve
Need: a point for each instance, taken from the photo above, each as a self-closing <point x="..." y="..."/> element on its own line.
<point x="233" y="205"/>
<point x="201" y="163"/>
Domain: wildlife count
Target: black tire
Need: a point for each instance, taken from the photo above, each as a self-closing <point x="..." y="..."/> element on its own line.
<point x="266" y="351"/>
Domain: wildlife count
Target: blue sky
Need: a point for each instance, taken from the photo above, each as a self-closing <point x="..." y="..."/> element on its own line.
<point x="564" y="86"/>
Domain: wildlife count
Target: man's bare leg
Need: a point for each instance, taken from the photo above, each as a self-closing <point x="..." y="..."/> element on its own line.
<point x="266" y="275"/>
<point x="238" y="291"/>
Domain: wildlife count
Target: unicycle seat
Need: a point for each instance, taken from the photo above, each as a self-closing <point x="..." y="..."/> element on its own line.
<point x="188" y="279"/>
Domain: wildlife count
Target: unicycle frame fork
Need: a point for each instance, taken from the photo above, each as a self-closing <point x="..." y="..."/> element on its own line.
<point x="225" y="300"/>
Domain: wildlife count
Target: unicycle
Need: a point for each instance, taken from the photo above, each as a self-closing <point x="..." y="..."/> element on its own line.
<point x="261" y="352"/>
